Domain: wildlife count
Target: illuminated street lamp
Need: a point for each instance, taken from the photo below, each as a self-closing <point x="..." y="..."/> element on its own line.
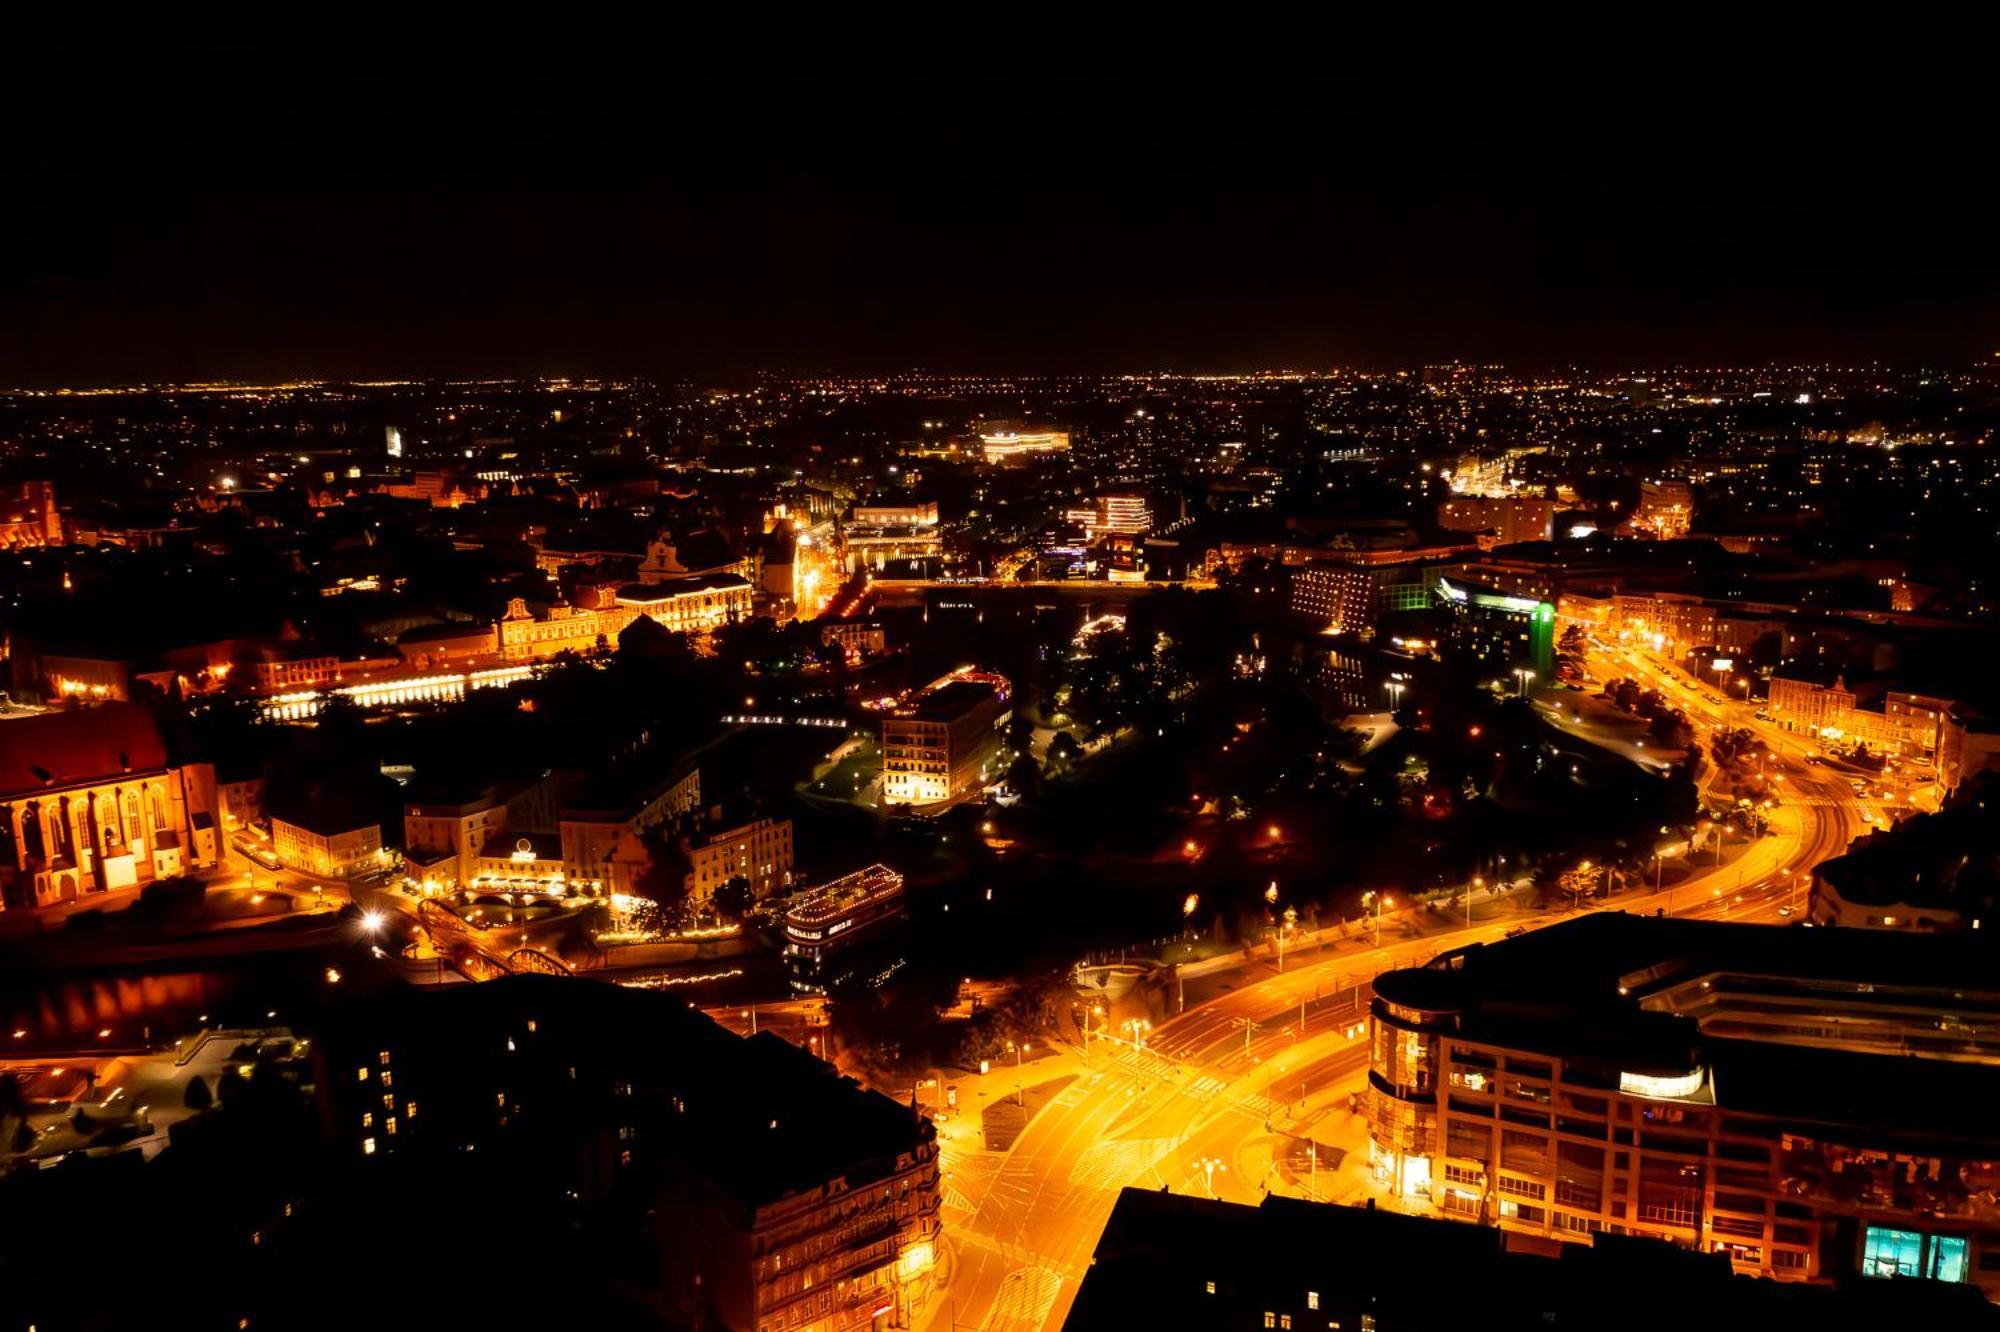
<point x="1523" y="676"/>
<point x="1018" y="1050"/>
<point x="1208" y="1165"/>
<point x="1379" y="901"/>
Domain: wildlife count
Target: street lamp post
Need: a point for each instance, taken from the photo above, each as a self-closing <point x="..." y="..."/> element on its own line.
<point x="1019" y="1099"/>
<point x="1208" y="1165"/>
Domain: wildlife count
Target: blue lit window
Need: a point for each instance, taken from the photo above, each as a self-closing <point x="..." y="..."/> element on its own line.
<point x="1891" y="1253"/>
<point x="1947" y="1258"/>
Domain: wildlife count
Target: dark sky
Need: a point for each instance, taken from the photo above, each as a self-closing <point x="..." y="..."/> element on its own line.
<point x="680" y="201"/>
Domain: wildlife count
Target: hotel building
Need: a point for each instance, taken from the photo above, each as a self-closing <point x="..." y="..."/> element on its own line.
<point x="1813" y="1104"/>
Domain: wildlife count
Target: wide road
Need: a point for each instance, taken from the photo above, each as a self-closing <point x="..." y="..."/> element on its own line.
<point x="1215" y="1100"/>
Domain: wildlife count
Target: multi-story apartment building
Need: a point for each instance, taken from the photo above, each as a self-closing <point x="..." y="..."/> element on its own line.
<point x="779" y="1194"/>
<point x="1810" y="1103"/>
<point x="328" y="843"/>
<point x="1125" y="512"/>
<point x="944" y="744"/>
<point x="1671" y="622"/>
<point x="757" y="850"/>
<point x="1339" y="596"/>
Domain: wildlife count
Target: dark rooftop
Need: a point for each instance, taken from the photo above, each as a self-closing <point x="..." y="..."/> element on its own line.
<point x="1624" y="992"/>
<point x="1170" y="1261"/>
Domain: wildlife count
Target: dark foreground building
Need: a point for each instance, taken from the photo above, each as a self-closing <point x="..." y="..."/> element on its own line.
<point x="1166" y="1261"/>
<point x="1814" y="1104"/>
<point x="752" y="1186"/>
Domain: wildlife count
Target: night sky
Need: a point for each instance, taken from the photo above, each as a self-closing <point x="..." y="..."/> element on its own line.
<point x="693" y="202"/>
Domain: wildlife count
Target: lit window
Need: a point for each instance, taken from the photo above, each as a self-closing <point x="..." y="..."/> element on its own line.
<point x="368" y="1146"/>
<point x="367" y="1119"/>
<point x="361" y="1075"/>
<point x="1312" y="1299"/>
<point x="1889" y="1253"/>
<point x="1211" y="1288"/>
<point x="1270" y="1319"/>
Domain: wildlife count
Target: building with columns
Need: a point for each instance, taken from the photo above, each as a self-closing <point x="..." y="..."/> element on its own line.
<point x="91" y="802"/>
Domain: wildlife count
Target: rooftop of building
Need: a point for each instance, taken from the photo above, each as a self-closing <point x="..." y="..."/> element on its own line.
<point x="77" y="746"/>
<point x="1595" y="992"/>
<point x="761" y="1117"/>
<point x="655" y="593"/>
<point x="1166" y="1260"/>
<point x="1942" y="859"/>
<point x="951" y="698"/>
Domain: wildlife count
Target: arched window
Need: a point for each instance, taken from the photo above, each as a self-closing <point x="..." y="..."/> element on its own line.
<point x="34" y="839"/>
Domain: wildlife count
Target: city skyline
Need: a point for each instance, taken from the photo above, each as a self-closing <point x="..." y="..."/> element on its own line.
<point x="1083" y="673"/>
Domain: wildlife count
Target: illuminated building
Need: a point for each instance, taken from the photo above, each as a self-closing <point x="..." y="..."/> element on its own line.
<point x="1122" y="512"/>
<point x="1339" y="596"/>
<point x="861" y="640"/>
<point x="823" y="923"/>
<point x="327" y="842"/>
<point x="1509" y="519"/>
<point x="942" y="746"/>
<point x="880" y="535"/>
<point x="1907" y="724"/>
<point x="689" y="605"/>
<point x="757" y="850"/>
<point x="449" y="837"/>
<point x="1667" y="622"/>
<point x="600" y="831"/>
<point x="92" y="802"/>
<point x="913" y="513"/>
<point x="1811" y="1103"/>
<point x="773" y="1192"/>
<point x="693" y="605"/>
<point x="1499" y="629"/>
<point x="501" y="842"/>
<point x="1665" y="510"/>
<point x="1008" y="441"/>
<point x="28" y="516"/>
<point x="1168" y="1260"/>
